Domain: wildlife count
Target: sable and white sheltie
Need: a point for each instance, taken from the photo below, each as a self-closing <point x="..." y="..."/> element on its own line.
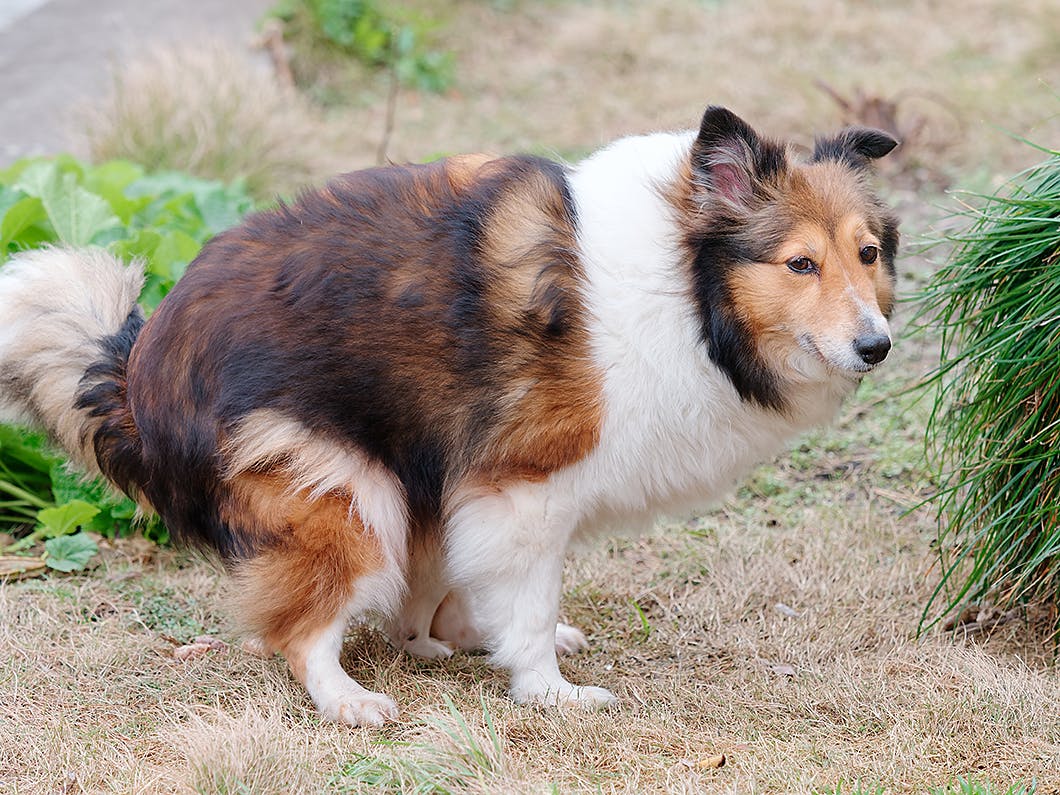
<point x="406" y="393"/>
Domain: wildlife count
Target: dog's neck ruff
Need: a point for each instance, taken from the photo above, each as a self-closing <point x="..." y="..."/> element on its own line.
<point x="677" y="434"/>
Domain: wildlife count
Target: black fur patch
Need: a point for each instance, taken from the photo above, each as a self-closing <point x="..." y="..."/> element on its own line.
<point x="730" y="342"/>
<point x="721" y="245"/>
<point x="102" y="391"/>
<point x="855" y="146"/>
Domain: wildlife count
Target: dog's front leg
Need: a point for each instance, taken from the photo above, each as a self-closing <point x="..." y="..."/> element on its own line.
<point x="506" y="549"/>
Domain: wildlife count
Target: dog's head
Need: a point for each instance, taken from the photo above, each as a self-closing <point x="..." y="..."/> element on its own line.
<point x="792" y="262"/>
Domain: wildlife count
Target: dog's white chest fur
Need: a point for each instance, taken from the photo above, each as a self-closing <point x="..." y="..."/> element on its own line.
<point x="676" y="435"/>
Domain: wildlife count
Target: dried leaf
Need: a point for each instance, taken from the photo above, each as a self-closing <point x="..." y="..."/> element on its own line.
<point x="711" y="762"/>
<point x="17" y="566"/>
<point x="198" y="647"/>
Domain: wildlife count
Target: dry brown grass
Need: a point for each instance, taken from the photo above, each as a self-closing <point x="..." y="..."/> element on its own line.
<point x="779" y="630"/>
<point x="208" y="111"/>
<point x="565" y="77"/>
<point x="562" y="78"/>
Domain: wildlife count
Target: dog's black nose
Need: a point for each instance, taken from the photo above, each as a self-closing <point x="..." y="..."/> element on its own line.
<point x="872" y="348"/>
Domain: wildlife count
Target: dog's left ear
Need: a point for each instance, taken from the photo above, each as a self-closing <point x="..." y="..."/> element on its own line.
<point x="855" y="146"/>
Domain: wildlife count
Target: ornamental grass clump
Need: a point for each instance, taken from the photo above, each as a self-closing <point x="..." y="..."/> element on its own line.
<point x="994" y="432"/>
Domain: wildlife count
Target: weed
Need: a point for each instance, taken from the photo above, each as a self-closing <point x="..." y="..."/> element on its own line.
<point x="162" y="219"/>
<point x="326" y="34"/>
<point x="208" y="112"/>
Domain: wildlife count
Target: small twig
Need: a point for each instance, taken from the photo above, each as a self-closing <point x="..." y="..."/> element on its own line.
<point x="271" y="40"/>
<point x="391" y="113"/>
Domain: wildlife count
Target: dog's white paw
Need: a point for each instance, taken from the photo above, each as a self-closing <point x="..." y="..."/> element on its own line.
<point x="570" y="640"/>
<point x="532" y="690"/>
<point x="588" y="697"/>
<point x="360" y="708"/>
<point x="428" y="647"/>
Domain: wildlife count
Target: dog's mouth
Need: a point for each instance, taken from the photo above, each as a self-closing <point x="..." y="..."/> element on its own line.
<point x="851" y="368"/>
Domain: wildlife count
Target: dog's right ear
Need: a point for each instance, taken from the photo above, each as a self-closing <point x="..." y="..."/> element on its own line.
<point x="855" y="146"/>
<point x="729" y="159"/>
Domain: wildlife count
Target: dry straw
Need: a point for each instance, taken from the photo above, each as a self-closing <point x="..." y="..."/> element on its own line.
<point x="210" y="112"/>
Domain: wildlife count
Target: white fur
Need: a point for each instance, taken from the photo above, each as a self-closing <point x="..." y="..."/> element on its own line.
<point x="675" y="435"/>
<point x="338" y="697"/>
<point x="55" y="306"/>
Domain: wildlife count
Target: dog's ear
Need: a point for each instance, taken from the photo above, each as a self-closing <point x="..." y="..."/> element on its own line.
<point x="855" y="146"/>
<point x="729" y="159"/>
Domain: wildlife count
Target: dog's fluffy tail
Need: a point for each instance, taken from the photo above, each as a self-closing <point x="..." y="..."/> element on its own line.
<point x="68" y="321"/>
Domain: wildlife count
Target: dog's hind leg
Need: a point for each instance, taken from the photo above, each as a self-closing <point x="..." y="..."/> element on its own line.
<point x="428" y="583"/>
<point x="321" y="570"/>
<point x="454" y="625"/>
<point x="506" y="550"/>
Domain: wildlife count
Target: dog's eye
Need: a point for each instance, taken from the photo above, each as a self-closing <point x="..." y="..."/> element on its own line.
<point x="801" y="265"/>
<point x="869" y="254"/>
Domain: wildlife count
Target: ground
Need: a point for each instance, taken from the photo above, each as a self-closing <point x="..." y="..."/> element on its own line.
<point x="779" y="630"/>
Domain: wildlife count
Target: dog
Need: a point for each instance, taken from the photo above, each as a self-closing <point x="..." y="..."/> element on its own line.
<point x="406" y="393"/>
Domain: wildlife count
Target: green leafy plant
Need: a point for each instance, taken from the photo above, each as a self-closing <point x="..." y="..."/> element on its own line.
<point x="162" y="219"/>
<point x="69" y="553"/>
<point x="380" y="36"/>
<point x="994" y="432"/>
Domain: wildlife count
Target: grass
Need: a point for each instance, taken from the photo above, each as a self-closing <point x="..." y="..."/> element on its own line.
<point x="995" y="428"/>
<point x="561" y="78"/>
<point x="779" y="629"/>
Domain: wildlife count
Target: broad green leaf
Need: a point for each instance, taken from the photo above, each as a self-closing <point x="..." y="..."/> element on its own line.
<point x="65" y="519"/>
<point x="115" y="510"/>
<point x="11" y="174"/>
<point x="68" y="164"/>
<point x="19" y="217"/>
<point x="173" y="254"/>
<point x="162" y="219"/>
<point x="75" y="214"/>
<point x="141" y="245"/>
<point x="69" y="486"/>
<point x="28" y="447"/>
<point x="155" y="289"/>
<point x="8" y="196"/>
<point x="69" y="553"/>
<point x="110" y="180"/>
<point x="37" y="177"/>
<point x="219" y="209"/>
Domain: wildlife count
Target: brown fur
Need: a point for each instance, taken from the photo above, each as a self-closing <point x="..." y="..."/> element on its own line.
<point x="443" y="300"/>
<point x="316" y="550"/>
<point x="834" y="227"/>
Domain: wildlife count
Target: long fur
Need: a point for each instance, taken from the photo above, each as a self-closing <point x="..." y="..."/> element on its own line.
<point x="60" y="312"/>
<point x="409" y="391"/>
